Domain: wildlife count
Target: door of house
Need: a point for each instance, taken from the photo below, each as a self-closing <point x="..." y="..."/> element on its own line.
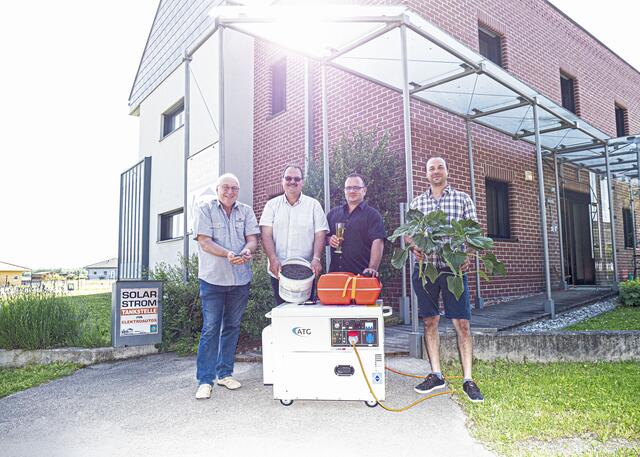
<point x="579" y="264"/>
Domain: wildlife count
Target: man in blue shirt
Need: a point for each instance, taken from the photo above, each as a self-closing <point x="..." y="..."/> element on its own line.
<point x="227" y="235"/>
<point x="364" y="232"/>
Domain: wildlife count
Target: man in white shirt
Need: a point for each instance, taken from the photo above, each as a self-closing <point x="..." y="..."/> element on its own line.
<point x="292" y="225"/>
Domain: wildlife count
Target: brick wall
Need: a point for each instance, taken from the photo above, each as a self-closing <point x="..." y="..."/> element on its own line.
<point x="539" y="43"/>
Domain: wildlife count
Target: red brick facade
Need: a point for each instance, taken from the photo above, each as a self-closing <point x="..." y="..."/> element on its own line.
<point x="539" y="42"/>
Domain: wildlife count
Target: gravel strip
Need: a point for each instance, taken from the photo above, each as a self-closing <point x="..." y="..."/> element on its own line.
<point x="570" y="317"/>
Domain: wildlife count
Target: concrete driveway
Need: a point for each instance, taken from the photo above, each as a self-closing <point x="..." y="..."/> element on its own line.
<point x="147" y="407"/>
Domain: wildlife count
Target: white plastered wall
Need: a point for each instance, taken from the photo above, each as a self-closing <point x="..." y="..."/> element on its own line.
<point x="205" y="165"/>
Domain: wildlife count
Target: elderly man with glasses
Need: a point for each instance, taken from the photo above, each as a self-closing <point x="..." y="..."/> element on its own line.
<point x="293" y="225"/>
<point x="364" y="233"/>
<point x="227" y="235"/>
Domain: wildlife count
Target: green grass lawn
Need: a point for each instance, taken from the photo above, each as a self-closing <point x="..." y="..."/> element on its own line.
<point x="621" y="318"/>
<point x="16" y="379"/>
<point x="594" y="402"/>
<point x="96" y="309"/>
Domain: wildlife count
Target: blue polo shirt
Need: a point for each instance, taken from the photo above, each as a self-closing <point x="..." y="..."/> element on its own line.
<point x="362" y="227"/>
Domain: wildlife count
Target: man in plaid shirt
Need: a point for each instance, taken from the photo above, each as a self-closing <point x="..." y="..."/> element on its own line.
<point x="457" y="205"/>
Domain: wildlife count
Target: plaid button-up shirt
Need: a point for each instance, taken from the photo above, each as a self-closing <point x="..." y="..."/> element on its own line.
<point x="456" y="205"/>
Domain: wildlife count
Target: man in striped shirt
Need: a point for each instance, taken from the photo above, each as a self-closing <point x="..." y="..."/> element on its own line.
<point x="456" y="205"/>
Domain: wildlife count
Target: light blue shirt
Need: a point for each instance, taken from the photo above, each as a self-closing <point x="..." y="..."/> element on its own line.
<point x="231" y="233"/>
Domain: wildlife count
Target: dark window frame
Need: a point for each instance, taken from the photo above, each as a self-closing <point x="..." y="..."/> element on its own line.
<point x="498" y="209"/>
<point x="278" y="73"/>
<point x="172" y="119"/>
<point x="568" y="92"/>
<point x="621" y="121"/>
<point x="490" y="45"/>
<point x="166" y="225"/>
<point x="627" y="227"/>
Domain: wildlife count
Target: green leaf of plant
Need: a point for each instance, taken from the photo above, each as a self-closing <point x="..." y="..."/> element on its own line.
<point x="399" y="259"/>
<point x="456" y="286"/>
<point x="453" y="258"/>
<point x="431" y="272"/>
<point x="481" y="243"/>
<point x="484" y="275"/>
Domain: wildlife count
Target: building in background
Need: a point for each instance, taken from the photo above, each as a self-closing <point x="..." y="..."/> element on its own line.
<point x="273" y="117"/>
<point x="107" y="269"/>
<point x="13" y="275"/>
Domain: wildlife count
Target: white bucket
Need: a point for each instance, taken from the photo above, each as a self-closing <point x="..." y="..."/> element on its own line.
<point x="295" y="290"/>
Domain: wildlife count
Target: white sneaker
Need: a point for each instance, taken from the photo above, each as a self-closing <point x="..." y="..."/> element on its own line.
<point x="229" y="383"/>
<point x="204" y="391"/>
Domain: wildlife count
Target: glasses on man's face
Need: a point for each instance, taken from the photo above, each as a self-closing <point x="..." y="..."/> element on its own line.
<point x="292" y="178"/>
<point x="233" y="189"/>
<point x="353" y="188"/>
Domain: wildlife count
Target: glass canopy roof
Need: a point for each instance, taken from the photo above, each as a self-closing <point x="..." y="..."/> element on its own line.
<point x="367" y="41"/>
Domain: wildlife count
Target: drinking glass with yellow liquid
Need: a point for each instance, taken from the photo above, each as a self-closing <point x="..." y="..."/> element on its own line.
<point x="340" y="235"/>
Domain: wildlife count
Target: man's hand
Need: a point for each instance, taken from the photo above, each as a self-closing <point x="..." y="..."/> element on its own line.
<point x="370" y="272"/>
<point x="274" y="267"/>
<point x="316" y="266"/>
<point x="246" y="255"/>
<point x="234" y="259"/>
<point x="418" y="253"/>
<point x="334" y="242"/>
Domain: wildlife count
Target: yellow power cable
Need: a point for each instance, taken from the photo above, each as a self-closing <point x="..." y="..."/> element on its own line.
<point x="394" y="410"/>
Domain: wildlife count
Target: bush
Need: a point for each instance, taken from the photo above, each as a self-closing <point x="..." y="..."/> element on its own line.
<point x="182" y="309"/>
<point x="38" y="320"/>
<point x="260" y="300"/>
<point x="630" y="292"/>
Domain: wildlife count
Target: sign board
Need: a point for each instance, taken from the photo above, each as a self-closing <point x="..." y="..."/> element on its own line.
<point x="136" y="313"/>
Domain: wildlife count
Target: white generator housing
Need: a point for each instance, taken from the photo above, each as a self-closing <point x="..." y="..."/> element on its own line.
<point x="307" y="352"/>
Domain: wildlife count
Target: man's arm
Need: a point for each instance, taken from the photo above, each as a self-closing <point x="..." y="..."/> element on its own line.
<point x="318" y="246"/>
<point x="377" y="248"/>
<point x="270" y="250"/>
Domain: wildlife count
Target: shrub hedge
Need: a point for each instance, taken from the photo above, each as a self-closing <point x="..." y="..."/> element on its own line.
<point x="630" y="292"/>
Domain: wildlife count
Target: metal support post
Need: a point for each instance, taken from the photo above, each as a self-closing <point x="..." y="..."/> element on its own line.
<point x="612" y="213"/>
<point x="222" y="140"/>
<point x="479" y="301"/>
<point x="549" y="305"/>
<point x="325" y="152"/>
<point x="415" y="338"/>
<point x="563" y="282"/>
<point x="185" y="195"/>
<point x="405" y="309"/>
<point x="633" y="228"/>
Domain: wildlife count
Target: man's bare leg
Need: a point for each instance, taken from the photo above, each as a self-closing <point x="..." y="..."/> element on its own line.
<point x="465" y="345"/>
<point x="432" y="341"/>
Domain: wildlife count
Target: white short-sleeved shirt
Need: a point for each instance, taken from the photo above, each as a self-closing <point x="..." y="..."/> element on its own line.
<point x="294" y="226"/>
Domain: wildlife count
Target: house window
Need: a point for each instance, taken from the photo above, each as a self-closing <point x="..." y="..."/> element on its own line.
<point x="173" y="119"/>
<point x="621" y="121"/>
<point x="627" y="226"/>
<point x="498" y="225"/>
<point x="567" y="88"/>
<point x="490" y="45"/>
<point x="171" y="225"/>
<point x="279" y="86"/>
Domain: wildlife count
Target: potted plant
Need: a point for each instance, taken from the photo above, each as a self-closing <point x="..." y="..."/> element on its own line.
<point x="454" y="242"/>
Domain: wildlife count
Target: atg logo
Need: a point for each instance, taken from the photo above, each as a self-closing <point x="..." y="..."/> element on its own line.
<point x="299" y="331"/>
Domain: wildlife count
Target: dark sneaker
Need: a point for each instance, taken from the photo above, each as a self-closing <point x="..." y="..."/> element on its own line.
<point x="430" y="383"/>
<point x="473" y="391"/>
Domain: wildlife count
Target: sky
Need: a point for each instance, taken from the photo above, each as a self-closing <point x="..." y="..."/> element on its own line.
<point x="66" y="136"/>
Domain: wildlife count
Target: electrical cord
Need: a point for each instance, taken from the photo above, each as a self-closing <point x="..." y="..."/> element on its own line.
<point x="387" y="408"/>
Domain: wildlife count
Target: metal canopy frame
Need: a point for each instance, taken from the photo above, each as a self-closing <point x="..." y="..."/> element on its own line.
<point x="397" y="49"/>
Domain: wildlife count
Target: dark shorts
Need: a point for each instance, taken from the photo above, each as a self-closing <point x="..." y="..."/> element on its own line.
<point x="429" y="294"/>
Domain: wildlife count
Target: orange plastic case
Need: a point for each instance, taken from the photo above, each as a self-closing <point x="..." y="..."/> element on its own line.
<point x="347" y="288"/>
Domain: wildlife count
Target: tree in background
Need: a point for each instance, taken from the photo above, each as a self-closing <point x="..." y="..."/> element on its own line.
<point x="366" y="153"/>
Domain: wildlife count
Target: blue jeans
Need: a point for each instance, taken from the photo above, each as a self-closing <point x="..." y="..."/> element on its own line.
<point x="222" y="310"/>
<point x="429" y="295"/>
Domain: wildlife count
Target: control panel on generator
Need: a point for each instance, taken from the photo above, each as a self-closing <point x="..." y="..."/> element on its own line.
<point x="363" y="331"/>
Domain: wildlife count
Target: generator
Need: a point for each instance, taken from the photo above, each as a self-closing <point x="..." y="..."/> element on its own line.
<point x="307" y="352"/>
